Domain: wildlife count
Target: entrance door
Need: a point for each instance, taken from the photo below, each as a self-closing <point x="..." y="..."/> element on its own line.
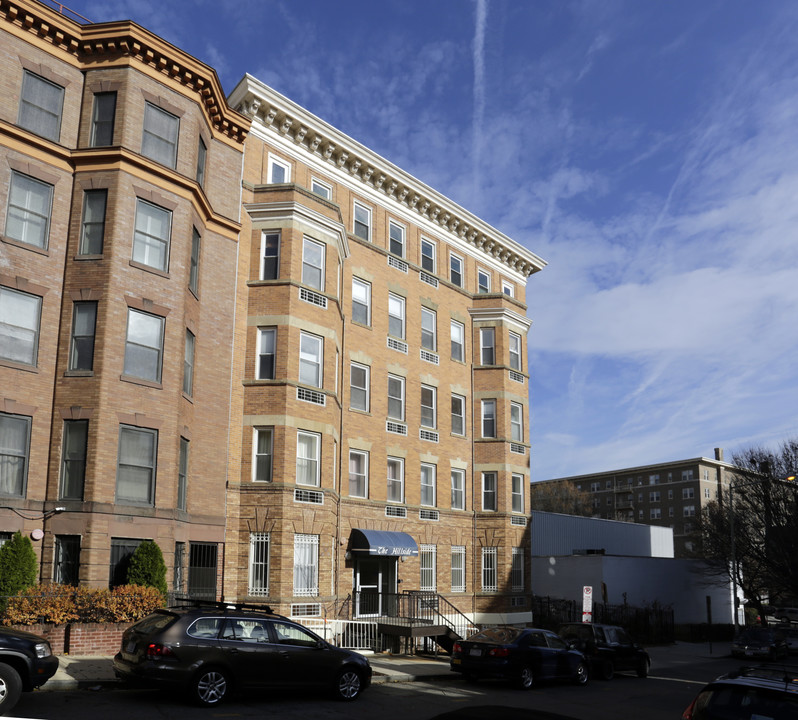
<point x="374" y="578"/>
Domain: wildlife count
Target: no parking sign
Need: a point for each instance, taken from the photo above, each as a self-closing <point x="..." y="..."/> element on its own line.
<point x="587" y="604"/>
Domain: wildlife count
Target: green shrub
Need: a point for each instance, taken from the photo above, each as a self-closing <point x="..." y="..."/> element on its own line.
<point x="19" y="568"/>
<point x="147" y="567"/>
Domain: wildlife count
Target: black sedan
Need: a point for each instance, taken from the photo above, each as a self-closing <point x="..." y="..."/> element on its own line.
<point x="522" y="655"/>
<point x="760" y="643"/>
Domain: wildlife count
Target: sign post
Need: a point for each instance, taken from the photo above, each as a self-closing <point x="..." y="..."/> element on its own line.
<point x="587" y="604"/>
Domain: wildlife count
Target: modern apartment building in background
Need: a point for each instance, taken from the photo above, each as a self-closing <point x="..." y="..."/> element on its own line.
<point x="228" y="327"/>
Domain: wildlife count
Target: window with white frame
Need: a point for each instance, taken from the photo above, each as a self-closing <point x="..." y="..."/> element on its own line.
<point x="263" y="454"/>
<point x="515" y="351"/>
<point x="279" y="170"/>
<point x="396" y="316"/>
<point x="458" y="414"/>
<point x="151" y="235"/>
<point x="518" y="493"/>
<point x="311" y="358"/>
<point x="429" y="323"/>
<point x="322" y="189"/>
<point x="456" y="270"/>
<point x="30" y="203"/>
<point x="656" y="513"/>
<point x="144" y="345"/>
<point x="73" y="459"/>
<point x="308" y="446"/>
<point x="20" y="316"/>
<point x="487" y="346"/>
<point x="182" y="474"/>
<point x="517" y="422"/>
<point x="426" y="555"/>
<point x="458" y="568"/>
<point x="654" y="497"/>
<point x="14" y="454"/>
<point x="688" y="511"/>
<point x="688" y="493"/>
<point x="258" y="585"/>
<point x="489" y="491"/>
<point x="92" y="226"/>
<point x="458" y="489"/>
<point x="194" y="262"/>
<point x="483" y="281"/>
<point x="458" y="341"/>
<point x="269" y="255"/>
<point x="362" y="222"/>
<point x="306" y="565"/>
<point x="359" y="383"/>
<point x="396" y="397"/>
<point x="489" y="418"/>
<point x="136" y="465"/>
<point x="428" y="406"/>
<point x="188" y="363"/>
<point x="160" y="134"/>
<point x="313" y="264"/>
<point x="396" y="480"/>
<point x="102" y="119"/>
<point x="41" y="106"/>
<point x="517" y="570"/>
<point x="396" y="239"/>
<point x="428" y="473"/>
<point x="508" y="288"/>
<point x="361" y="301"/>
<point x="489" y="569"/>
<point x="428" y="256"/>
<point x="687" y="475"/>
<point x="267" y="345"/>
<point x="358" y="474"/>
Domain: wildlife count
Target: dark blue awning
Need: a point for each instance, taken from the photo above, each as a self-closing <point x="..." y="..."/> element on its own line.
<point x="382" y="542"/>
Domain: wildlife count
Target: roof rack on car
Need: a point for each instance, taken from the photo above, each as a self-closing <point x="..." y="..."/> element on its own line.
<point x="777" y="673"/>
<point x="182" y="602"/>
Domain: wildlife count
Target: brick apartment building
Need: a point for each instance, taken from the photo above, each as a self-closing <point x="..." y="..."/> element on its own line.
<point x="373" y="439"/>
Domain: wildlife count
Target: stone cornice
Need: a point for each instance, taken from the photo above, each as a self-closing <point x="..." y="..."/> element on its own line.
<point x="275" y="113"/>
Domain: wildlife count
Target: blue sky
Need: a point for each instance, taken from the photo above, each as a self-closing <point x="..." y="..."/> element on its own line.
<point x="648" y="150"/>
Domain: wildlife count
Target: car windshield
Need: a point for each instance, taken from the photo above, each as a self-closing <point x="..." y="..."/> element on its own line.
<point x="756" y="636"/>
<point x="497" y="635"/>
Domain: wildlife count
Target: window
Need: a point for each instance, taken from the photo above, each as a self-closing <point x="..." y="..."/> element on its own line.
<point x="515" y="351"/>
<point x="687" y="475"/>
<point x="361" y="301"/>
<point x="670" y="512"/>
<point x="688" y="511"/>
<point x="654" y="497"/>
<point x="358" y="474"/>
<point x="362" y="222"/>
<point x="151" y="235"/>
<point x="517" y="570"/>
<point x="487" y="346"/>
<point x="458" y="341"/>
<point x="102" y="119"/>
<point x="267" y="341"/>
<point x="194" y="261"/>
<point x="489" y="491"/>
<point x="320" y="188"/>
<point x="144" y="345"/>
<point x="427" y="255"/>
<point x="396" y="316"/>
<point x="396" y="480"/>
<point x="508" y="288"/>
<point x="306" y="565"/>
<point x="29" y="205"/>
<point x="84" y="320"/>
<point x="428" y="473"/>
<point x="40" y="106"/>
<point x="19" y="326"/>
<point x="396" y="397"/>
<point x="396" y="239"/>
<point x="73" y="459"/>
<point x="483" y="281"/>
<point x="670" y="494"/>
<point x="202" y="157"/>
<point x="270" y="255"/>
<point x="14" y="448"/>
<point x="66" y="565"/>
<point x="182" y="475"/>
<point x="279" y="171"/>
<point x="429" y="330"/>
<point x="159" y="139"/>
<point x="258" y="584"/>
<point x="359" y="387"/>
<point x="688" y="493"/>
<point x="489" y="418"/>
<point x="307" y="458"/>
<point x="188" y="364"/>
<point x="428" y="402"/>
<point x="92" y="228"/>
<point x="489" y="574"/>
<point x="121" y="551"/>
<point x="456" y="270"/>
<point x="262" y="451"/>
<point x="518" y="493"/>
<point x="135" y="472"/>
<point x="313" y="264"/>
<point x="426" y="555"/>
<point x="653" y="479"/>
<point x="458" y="415"/>
<point x="595" y="487"/>
<point x="656" y="514"/>
<point x="311" y="355"/>
<point x="458" y="568"/>
<point x="516" y="422"/>
<point x="458" y="489"/>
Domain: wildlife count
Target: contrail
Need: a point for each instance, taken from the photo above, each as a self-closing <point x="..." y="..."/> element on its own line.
<point x="479" y="89"/>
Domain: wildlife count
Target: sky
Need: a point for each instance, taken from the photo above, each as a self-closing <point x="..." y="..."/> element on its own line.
<point x="646" y="149"/>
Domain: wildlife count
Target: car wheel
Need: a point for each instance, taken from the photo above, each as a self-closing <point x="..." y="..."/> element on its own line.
<point x="526" y="678"/>
<point x="209" y="687"/>
<point x="10" y="688"/>
<point x="607" y="670"/>
<point x="347" y="684"/>
<point x="581" y="675"/>
<point x="784" y="619"/>
<point x="642" y="669"/>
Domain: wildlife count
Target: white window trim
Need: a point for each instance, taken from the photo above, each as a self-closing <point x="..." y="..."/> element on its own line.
<point x="515" y="338"/>
<point x="367" y="389"/>
<point x="315" y="482"/>
<point x="461" y="344"/>
<point x="429" y="314"/>
<point x="403" y="316"/>
<point x="432" y="471"/>
<point x="400" y="464"/>
<point x="517" y="424"/>
<point x="484" y="334"/>
<point x="321" y="269"/>
<point x="519" y="493"/>
<point x="311" y="543"/>
<point x="460" y="567"/>
<point x="402" y="239"/>
<point x="458" y="258"/>
<point x="402" y="398"/>
<point x="327" y="187"/>
<point x="363" y="454"/>
<point x="434" y="392"/>
<point x="264" y="234"/>
<point x="284" y="164"/>
<point x="485" y="404"/>
<point x="490" y="570"/>
<point x="255" y="540"/>
<point x="508" y="288"/>
<point x="434" y="246"/>
<point x="487" y="274"/>
<point x="367" y="210"/>
<point x="462" y="417"/>
<point x="494" y="491"/>
<point x="367" y="287"/>
<point x="428" y="574"/>
<point x="262" y="332"/>
<point x="255" y="454"/>
<point x="316" y="360"/>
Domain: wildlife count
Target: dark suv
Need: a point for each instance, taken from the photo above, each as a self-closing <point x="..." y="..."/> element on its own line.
<point x="608" y="648"/>
<point x="209" y="650"/>
<point x="26" y="662"/>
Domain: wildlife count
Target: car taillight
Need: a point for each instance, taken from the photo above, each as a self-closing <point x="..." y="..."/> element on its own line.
<point x="688" y="714"/>
<point x="457" y="647"/>
<point x="498" y="652"/>
<point x="156" y="650"/>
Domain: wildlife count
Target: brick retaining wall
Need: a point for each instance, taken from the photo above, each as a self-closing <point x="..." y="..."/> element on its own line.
<point x="81" y="638"/>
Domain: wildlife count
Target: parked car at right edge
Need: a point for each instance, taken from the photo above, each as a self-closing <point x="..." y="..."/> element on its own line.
<point x="608" y="648"/>
<point x="760" y="643"/>
<point x="26" y="662"/>
<point x="786" y="614"/>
